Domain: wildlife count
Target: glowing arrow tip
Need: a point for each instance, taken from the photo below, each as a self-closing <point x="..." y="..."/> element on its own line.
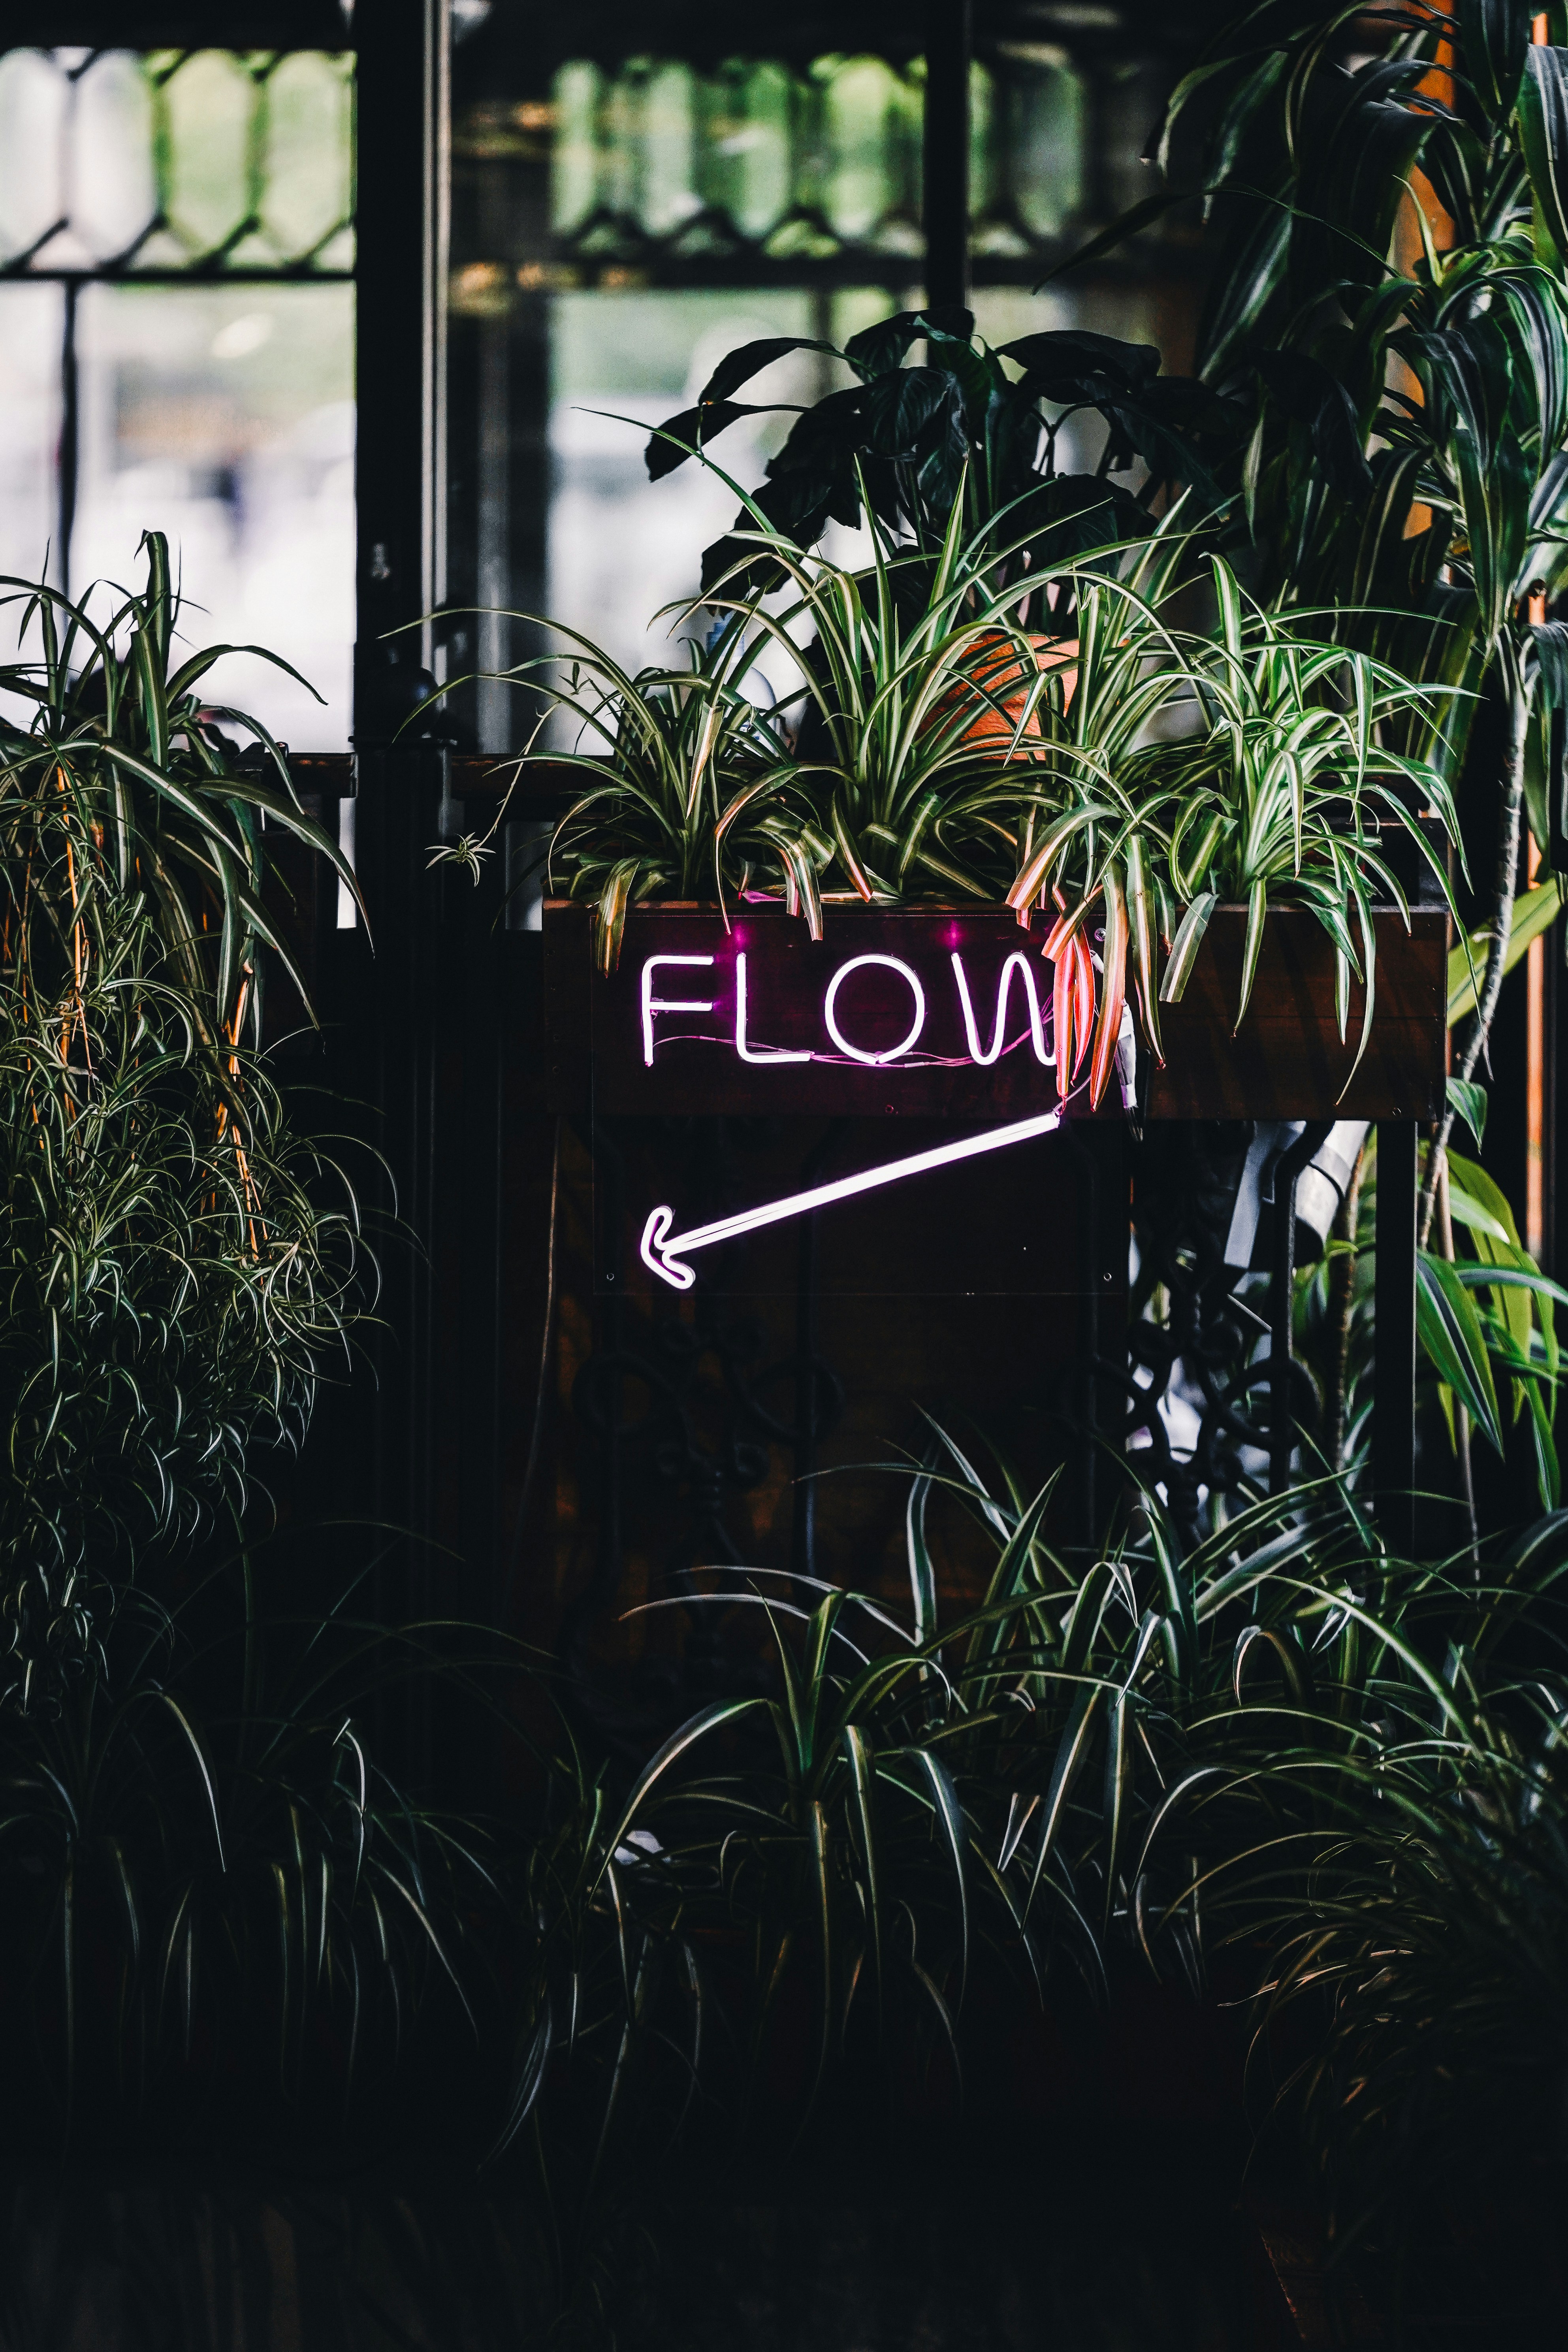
<point x="654" y="1234"/>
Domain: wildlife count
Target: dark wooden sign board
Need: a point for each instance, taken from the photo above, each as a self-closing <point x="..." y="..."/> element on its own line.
<point x="896" y="1013"/>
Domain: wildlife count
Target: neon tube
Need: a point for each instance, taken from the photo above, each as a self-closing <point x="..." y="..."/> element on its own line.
<point x="659" y="1246"/>
<point x="859" y="1053"/>
<point x="746" y="1050"/>
<point x="652" y="1004"/>
<point x="971" y="1027"/>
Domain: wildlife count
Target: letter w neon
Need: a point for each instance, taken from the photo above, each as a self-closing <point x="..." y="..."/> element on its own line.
<point x="1014" y="962"/>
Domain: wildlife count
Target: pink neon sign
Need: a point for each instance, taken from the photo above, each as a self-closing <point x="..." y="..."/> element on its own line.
<point x="931" y="1013"/>
<point x="838" y="1015"/>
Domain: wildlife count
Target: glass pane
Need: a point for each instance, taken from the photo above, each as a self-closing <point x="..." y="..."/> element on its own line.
<point x="873" y="125"/>
<point x="621" y="546"/>
<point x="1045" y="129"/>
<point x="209" y="101"/>
<point x="33" y="98"/>
<point x="746" y="170"/>
<point x="225" y="417"/>
<point x="114" y="191"/>
<point x="307" y="158"/>
<point x="171" y="158"/>
<point x="31" y="326"/>
<point x="669" y="195"/>
<point x="574" y="153"/>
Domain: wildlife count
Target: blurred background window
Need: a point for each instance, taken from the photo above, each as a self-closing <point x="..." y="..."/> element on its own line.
<point x="635" y="191"/>
<point x="176" y="344"/>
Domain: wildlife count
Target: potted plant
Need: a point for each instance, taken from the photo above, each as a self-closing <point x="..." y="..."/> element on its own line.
<point x="1389" y="316"/>
<point x="179" y="1261"/>
<point x="936" y="752"/>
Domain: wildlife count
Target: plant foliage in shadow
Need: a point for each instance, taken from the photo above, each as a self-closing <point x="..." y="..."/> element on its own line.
<point x="178" y="1264"/>
<point x="222" y="1924"/>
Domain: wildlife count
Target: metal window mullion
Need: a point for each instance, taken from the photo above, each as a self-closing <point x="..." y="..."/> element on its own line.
<point x="945" y="169"/>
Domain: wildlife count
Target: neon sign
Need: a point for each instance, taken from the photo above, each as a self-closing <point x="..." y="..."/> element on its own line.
<point x="837" y="1019"/>
<point x="930" y="1013"/>
<point x="663" y="1253"/>
<point x="947" y="1013"/>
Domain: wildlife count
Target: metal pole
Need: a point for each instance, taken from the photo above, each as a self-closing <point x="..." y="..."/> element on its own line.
<point x="1393" y="1389"/>
<point x="948" y="47"/>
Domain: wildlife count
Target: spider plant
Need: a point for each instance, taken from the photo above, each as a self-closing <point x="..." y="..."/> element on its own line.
<point x="223" y="1914"/>
<point x="178" y="1267"/>
<point x="846" y="1861"/>
<point x="916" y="721"/>
<point x="1246" y="764"/>
<point x="1391" y="311"/>
<point x="177" y="1264"/>
<point x="677" y="800"/>
<point x="1284" y="789"/>
<point x="1404" y="1883"/>
<point x="1018" y="1767"/>
<point x="123" y="782"/>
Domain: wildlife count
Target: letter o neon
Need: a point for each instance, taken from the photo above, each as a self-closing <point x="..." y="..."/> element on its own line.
<point x="859" y="1053"/>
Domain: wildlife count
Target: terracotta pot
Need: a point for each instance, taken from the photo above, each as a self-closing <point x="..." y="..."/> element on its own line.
<point x="997" y="667"/>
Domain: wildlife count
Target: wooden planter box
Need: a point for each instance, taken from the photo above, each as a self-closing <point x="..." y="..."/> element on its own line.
<point x="666" y="1033"/>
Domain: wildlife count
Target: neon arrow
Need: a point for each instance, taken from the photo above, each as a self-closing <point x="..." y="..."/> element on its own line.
<point x="662" y="1251"/>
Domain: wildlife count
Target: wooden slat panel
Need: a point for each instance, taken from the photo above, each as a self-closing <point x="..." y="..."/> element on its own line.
<point x="1286" y="1061"/>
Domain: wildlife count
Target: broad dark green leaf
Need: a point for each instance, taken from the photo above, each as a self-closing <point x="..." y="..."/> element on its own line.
<point x="877" y="349"/>
<point x="1073" y="363"/>
<point x="1494" y="45"/>
<point x="896" y="409"/>
<point x="739" y="366"/>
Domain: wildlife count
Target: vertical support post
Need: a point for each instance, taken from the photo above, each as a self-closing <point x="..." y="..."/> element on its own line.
<point x="1281" y="1297"/>
<point x="802" y="1512"/>
<point x="391" y="1001"/>
<point x="1393" y="1383"/>
<point x="1104" y="1210"/>
<point x="70" y="438"/>
<point x="948" y="47"/>
<point x="398" y="465"/>
<point x="1554" y="1103"/>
